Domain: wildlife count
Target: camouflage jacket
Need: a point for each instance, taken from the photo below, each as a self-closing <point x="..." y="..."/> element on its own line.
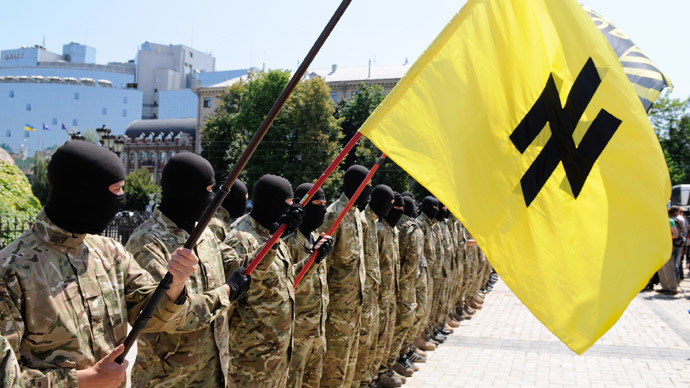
<point x="11" y="375"/>
<point x="389" y="260"/>
<point x="426" y="225"/>
<point x="65" y="300"/>
<point x="345" y="265"/>
<point x="195" y="356"/>
<point x="371" y="254"/>
<point x="448" y="247"/>
<point x="311" y="296"/>
<point x="262" y="324"/>
<point x="411" y="240"/>
<point x="220" y="223"/>
<point x="439" y="260"/>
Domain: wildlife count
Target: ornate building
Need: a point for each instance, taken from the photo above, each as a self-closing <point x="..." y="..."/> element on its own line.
<point x="151" y="143"/>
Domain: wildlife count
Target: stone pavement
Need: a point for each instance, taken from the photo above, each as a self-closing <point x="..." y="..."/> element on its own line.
<point x="504" y="345"/>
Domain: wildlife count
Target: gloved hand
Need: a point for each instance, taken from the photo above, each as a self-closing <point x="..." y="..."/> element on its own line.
<point x="239" y="284"/>
<point x="325" y="245"/>
<point x="292" y="218"/>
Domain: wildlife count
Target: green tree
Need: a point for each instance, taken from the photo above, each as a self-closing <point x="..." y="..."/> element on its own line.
<point x="139" y="186"/>
<point x="671" y="121"/>
<point x="39" y="181"/>
<point x="18" y="205"/>
<point x="354" y="112"/>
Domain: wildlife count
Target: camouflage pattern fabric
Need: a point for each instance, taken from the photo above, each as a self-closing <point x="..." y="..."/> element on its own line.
<point x="220" y="223"/>
<point x="369" y="329"/>
<point x="11" y="374"/>
<point x="389" y="261"/>
<point x="430" y="257"/>
<point x="311" y="302"/>
<point x="261" y="325"/>
<point x="346" y="280"/>
<point x="439" y="277"/>
<point x="449" y="258"/>
<point x="65" y="300"/>
<point x="411" y="244"/>
<point x="193" y="358"/>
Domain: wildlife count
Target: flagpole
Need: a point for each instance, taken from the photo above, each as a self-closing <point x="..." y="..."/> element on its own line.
<point x="338" y="220"/>
<point x="147" y="311"/>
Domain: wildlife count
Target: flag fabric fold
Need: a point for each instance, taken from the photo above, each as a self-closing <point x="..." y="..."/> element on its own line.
<point x="520" y="119"/>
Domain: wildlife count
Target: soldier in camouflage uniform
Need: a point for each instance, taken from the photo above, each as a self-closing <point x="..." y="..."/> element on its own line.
<point x="67" y="293"/>
<point x="440" y="280"/>
<point x="261" y="325"/>
<point x="459" y="240"/>
<point x="448" y="271"/>
<point x="369" y="329"/>
<point x="194" y="358"/>
<point x="233" y="207"/>
<point x="426" y="220"/>
<point x="311" y="296"/>
<point x="11" y="374"/>
<point x="346" y="282"/>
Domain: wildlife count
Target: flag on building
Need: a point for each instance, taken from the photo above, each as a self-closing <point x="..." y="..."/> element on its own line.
<point x="520" y="119"/>
<point x="646" y="77"/>
<point x="46" y="127"/>
<point x="29" y="128"/>
<point x="64" y="127"/>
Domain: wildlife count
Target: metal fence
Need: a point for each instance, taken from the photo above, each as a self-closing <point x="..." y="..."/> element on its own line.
<point x="120" y="229"/>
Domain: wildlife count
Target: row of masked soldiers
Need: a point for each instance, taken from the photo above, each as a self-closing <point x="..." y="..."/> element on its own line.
<point x="392" y="280"/>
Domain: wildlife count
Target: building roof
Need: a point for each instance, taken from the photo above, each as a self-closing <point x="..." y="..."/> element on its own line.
<point x="361" y="73"/>
<point x="229" y="82"/>
<point x="174" y="126"/>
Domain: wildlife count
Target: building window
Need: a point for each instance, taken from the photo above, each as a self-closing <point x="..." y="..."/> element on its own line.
<point x="356" y="92"/>
<point x="155" y="79"/>
<point x="74" y="122"/>
<point x="105" y="111"/>
<point x="334" y="96"/>
<point x="54" y="121"/>
<point x="191" y="54"/>
<point x="162" y="156"/>
<point x="9" y="133"/>
<point x="155" y="91"/>
<point x="124" y="100"/>
<point x="28" y="106"/>
<point x="207" y="102"/>
<point x="76" y="96"/>
<point x="124" y="113"/>
<point x="153" y="156"/>
<point x="11" y="93"/>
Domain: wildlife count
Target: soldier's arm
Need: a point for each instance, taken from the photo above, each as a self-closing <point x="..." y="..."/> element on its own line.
<point x="202" y="308"/>
<point x="12" y="328"/>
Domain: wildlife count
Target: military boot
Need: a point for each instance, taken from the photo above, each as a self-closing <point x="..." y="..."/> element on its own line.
<point x="451" y="322"/>
<point x="409" y="364"/>
<point x="424" y="344"/>
<point x="448" y="328"/>
<point x="415" y="349"/>
<point x="387" y="380"/>
<point x="416" y="357"/>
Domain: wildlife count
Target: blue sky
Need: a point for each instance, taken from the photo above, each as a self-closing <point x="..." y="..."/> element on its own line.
<point x="247" y="33"/>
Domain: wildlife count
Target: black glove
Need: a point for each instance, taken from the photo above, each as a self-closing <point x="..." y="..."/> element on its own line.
<point x="239" y="284"/>
<point x="325" y="248"/>
<point x="292" y="218"/>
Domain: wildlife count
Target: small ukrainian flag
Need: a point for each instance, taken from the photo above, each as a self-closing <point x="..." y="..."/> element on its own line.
<point x="29" y="128"/>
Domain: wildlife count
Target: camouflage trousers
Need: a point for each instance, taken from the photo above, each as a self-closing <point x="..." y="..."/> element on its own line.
<point x="342" y="344"/>
<point x="306" y="365"/>
<point x="422" y="312"/>
<point x="368" y="339"/>
<point x="404" y="320"/>
<point x="386" y="332"/>
<point x="431" y="284"/>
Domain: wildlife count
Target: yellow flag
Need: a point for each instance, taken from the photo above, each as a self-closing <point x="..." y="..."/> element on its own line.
<point x="520" y="119"/>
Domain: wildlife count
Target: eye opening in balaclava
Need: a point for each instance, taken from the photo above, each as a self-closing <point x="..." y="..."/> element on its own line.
<point x="313" y="214"/>
<point x="184" y="182"/>
<point x="268" y="197"/>
<point x="79" y="176"/>
<point x="382" y="198"/>
<point x="441" y="214"/>
<point x="427" y="207"/>
<point x="396" y="211"/>
<point x="236" y="200"/>
<point x="354" y="176"/>
<point x="410" y="206"/>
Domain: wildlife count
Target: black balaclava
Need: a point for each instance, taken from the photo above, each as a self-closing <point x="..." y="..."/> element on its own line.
<point x="236" y="200"/>
<point x="394" y="215"/>
<point x="441" y="215"/>
<point x="410" y="206"/>
<point x="184" y="196"/>
<point x="407" y="194"/>
<point x="79" y="174"/>
<point x="268" y="197"/>
<point x="313" y="214"/>
<point x="427" y="207"/>
<point x="382" y="200"/>
<point x="354" y="176"/>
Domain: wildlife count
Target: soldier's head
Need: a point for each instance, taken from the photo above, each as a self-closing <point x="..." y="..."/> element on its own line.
<point x="354" y="176"/>
<point x="442" y="212"/>
<point x="187" y="183"/>
<point x="410" y="206"/>
<point x="396" y="212"/>
<point x="382" y="198"/>
<point x="430" y="206"/>
<point x="272" y="196"/>
<point x="314" y="211"/>
<point x="236" y="200"/>
<point x="86" y="184"/>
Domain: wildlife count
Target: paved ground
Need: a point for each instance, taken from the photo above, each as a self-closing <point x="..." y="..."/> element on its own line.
<point x="505" y="346"/>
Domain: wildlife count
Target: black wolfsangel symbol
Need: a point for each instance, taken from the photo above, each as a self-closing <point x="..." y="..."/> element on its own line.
<point x="577" y="161"/>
